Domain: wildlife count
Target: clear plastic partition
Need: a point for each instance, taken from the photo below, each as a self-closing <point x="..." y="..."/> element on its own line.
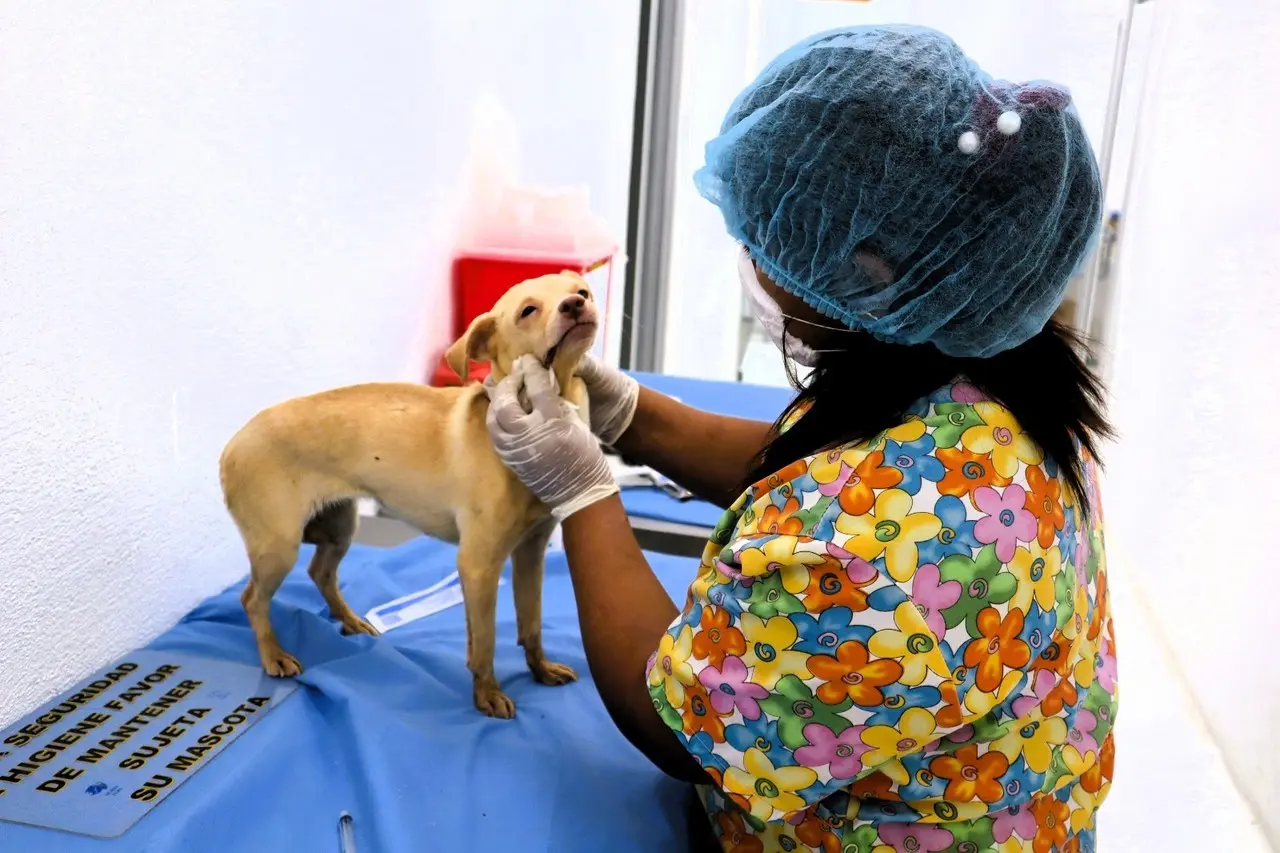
<point x="1096" y="47"/>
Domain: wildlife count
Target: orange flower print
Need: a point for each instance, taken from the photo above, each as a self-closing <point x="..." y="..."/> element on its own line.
<point x="786" y="475"/>
<point x="967" y="472"/>
<point x="832" y="585"/>
<point x="816" y="833"/>
<point x="1044" y="500"/>
<point x="970" y="776"/>
<point x="699" y="716"/>
<point x="877" y="786"/>
<point x="859" y="493"/>
<point x="716" y="639"/>
<point x="1052" y="818"/>
<point x="734" y="836"/>
<point x="852" y="674"/>
<point x="783" y="521"/>
<point x="997" y="649"/>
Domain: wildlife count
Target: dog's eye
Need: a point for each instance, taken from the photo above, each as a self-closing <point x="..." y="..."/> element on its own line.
<point x="528" y="311"/>
<point x="584" y="294"/>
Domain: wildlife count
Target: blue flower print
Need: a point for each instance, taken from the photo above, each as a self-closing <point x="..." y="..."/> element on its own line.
<point x="761" y="733"/>
<point x="819" y="791"/>
<point x="730" y="596"/>
<point x="956" y="535"/>
<point x="1019" y="784"/>
<point x="922" y="784"/>
<point x="1067" y="541"/>
<point x="887" y="811"/>
<point x="1037" y="628"/>
<point x="702" y="746"/>
<point x="887" y="598"/>
<point x="898" y="698"/>
<point x="916" y="462"/>
<point x="825" y="529"/>
<point x="822" y="634"/>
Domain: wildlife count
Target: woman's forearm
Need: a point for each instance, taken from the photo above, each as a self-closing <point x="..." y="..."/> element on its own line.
<point x="623" y="611"/>
<point x="708" y="454"/>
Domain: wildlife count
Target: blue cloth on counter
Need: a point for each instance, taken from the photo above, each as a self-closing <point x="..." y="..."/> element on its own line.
<point x="757" y="402"/>
<point x="385" y="729"/>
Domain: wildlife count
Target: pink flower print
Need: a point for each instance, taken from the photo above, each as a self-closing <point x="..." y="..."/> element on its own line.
<point x="843" y="752"/>
<point x="916" y="837"/>
<point x="1017" y="819"/>
<point x="964" y="392"/>
<point x="834" y="487"/>
<point x="728" y="688"/>
<point x="1043" y="685"/>
<point x="734" y="573"/>
<point x="931" y="596"/>
<point x="860" y="571"/>
<point x="1007" y="522"/>
<point x="1104" y="666"/>
<point x="1082" y="556"/>
<point x="1081" y="733"/>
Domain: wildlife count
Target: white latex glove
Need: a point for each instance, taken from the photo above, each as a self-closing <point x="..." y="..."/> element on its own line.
<point x="544" y="441"/>
<point x="613" y="396"/>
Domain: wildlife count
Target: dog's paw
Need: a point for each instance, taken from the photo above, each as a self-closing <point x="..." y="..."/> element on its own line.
<point x="280" y="664"/>
<point x="492" y="702"/>
<point x="553" y="674"/>
<point x="355" y="625"/>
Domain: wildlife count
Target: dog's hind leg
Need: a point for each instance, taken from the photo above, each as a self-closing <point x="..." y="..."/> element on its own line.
<point x="481" y="553"/>
<point x="331" y="531"/>
<point x="269" y="563"/>
<point x="526" y="577"/>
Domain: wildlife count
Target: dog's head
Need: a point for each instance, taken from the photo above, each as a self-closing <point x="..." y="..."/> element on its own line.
<point x="553" y="318"/>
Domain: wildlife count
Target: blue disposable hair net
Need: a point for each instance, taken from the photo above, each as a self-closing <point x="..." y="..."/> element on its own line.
<point x="982" y="196"/>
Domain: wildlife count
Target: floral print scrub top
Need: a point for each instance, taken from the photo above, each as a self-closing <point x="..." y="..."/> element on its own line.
<point x="901" y="647"/>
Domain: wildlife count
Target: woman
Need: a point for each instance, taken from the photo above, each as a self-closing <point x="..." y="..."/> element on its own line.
<point x="899" y="639"/>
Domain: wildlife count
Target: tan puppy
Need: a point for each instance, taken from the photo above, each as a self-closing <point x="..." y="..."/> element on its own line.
<point x="292" y="474"/>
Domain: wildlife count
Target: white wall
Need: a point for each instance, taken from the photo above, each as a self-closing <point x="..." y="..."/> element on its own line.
<point x="1191" y="493"/>
<point x="206" y="208"/>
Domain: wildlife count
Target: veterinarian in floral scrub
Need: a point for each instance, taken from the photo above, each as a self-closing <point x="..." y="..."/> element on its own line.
<point x="899" y="638"/>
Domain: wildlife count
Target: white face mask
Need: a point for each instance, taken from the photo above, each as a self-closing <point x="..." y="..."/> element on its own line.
<point x="774" y="321"/>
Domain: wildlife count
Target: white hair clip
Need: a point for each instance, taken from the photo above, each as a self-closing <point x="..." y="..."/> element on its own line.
<point x="968" y="142"/>
<point x="1009" y="123"/>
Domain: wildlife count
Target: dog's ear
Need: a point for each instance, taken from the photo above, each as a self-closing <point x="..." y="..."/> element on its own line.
<point x="476" y="344"/>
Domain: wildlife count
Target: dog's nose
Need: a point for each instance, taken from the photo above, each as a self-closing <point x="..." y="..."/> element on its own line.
<point x="572" y="305"/>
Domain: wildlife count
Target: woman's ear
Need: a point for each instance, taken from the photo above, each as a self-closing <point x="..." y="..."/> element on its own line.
<point x="476" y="344"/>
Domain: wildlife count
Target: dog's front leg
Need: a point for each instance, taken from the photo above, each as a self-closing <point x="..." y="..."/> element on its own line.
<point x="480" y="559"/>
<point x="526" y="577"/>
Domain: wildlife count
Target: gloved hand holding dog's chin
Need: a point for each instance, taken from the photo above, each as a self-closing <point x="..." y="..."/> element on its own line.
<point x="544" y="441"/>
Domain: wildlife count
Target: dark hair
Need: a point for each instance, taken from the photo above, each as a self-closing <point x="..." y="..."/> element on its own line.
<point x="1045" y="383"/>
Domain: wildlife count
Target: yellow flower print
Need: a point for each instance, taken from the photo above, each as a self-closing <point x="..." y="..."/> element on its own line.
<point x="779" y="554"/>
<point x="1002" y="437"/>
<point x="1014" y="845"/>
<point x="914" y="731"/>
<point x="768" y="650"/>
<point x="954" y="811"/>
<point x="1034" y="740"/>
<point x="1035" y="568"/>
<point x="671" y="667"/>
<point x="827" y="467"/>
<point x="893" y="530"/>
<point x="768" y="789"/>
<point x="907" y="432"/>
<point x="1083" y="817"/>
<point x="980" y="704"/>
<point x="913" y="645"/>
